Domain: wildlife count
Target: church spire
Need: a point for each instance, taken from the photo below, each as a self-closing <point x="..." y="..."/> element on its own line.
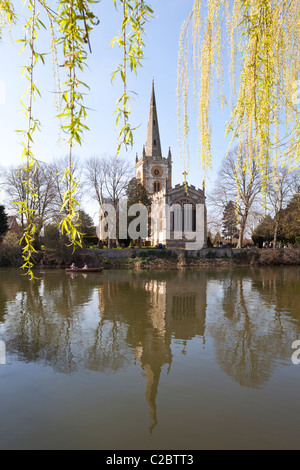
<point x="152" y="147"/>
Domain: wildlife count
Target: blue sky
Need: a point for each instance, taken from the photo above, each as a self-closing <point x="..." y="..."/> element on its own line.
<point x="160" y="62"/>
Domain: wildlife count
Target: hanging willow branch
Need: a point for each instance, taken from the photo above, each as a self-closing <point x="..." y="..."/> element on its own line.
<point x="7" y="15"/>
<point x="135" y="13"/>
<point x="70" y="25"/>
<point x="30" y="162"/>
<point x="75" y="22"/>
<point x="263" y="61"/>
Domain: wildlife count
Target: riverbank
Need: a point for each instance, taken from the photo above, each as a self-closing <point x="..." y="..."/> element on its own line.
<point x="176" y="258"/>
<point x="151" y="258"/>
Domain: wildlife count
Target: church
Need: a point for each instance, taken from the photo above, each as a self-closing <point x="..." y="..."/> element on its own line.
<point x="178" y="214"/>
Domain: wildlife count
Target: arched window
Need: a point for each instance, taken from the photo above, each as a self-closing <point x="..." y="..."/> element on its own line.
<point x="194" y="219"/>
<point x="156" y="187"/>
<point x="183" y="216"/>
<point x="172" y="221"/>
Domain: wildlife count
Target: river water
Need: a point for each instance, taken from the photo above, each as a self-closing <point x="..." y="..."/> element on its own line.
<point x="150" y="360"/>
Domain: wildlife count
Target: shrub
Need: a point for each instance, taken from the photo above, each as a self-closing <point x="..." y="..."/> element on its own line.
<point x="209" y="242"/>
<point x="125" y="242"/>
<point x="57" y="247"/>
<point x="211" y="255"/>
<point x="10" y="251"/>
<point x="90" y="241"/>
<point x="51" y="237"/>
<point x="157" y="253"/>
<point x="271" y="257"/>
<point x="241" y="256"/>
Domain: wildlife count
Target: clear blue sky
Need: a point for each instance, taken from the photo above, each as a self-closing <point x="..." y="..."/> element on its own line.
<point x="160" y="62"/>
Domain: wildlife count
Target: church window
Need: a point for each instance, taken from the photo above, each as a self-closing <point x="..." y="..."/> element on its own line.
<point x="156" y="187"/>
<point x="156" y="172"/>
<point x="183" y="216"/>
<point x="172" y="224"/>
<point x="194" y="215"/>
<point x="176" y="219"/>
<point x="189" y="216"/>
<point x="154" y="142"/>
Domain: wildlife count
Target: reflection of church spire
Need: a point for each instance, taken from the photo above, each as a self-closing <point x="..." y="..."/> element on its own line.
<point x="151" y="392"/>
<point x="153" y="147"/>
<point x="151" y="364"/>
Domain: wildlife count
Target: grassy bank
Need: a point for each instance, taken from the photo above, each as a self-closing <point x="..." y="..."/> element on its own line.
<point x="154" y="258"/>
<point x="289" y="257"/>
<point x="177" y="259"/>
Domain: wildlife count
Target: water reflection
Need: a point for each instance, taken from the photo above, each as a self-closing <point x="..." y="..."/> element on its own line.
<point x="256" y="319"/>
<point x="155" y="310"/>
<point x="110" y="322"/>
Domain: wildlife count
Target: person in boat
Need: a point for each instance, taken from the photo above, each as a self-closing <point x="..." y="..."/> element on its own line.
<point x="85" y="267"/>
<point x="73" y="266"/>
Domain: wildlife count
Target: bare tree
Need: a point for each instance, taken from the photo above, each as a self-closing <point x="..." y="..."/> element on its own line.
<point x="94" y="179"/>
<point x="43" y="183"/>
<point x="14" y="189"/>
<point x="237" y="183"/>
<point x="108" y="177"/>
<point x="57" y="169"/>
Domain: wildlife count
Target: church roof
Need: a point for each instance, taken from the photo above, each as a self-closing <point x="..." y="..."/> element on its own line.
<point x="186" y="190"/>
<point x="153" y="147"/>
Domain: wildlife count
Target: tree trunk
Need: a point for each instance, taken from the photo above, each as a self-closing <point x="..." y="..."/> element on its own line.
<point x="242" y="230"/>
<point x="241" y="236"/>
<point x="276" y="231"/>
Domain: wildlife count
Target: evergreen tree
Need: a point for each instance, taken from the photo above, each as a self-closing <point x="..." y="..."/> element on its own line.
<point x="229" y="222"/>
<point x="87" y="226"/>
<point x="3" y="222"/>
<point x="290" y="220"/>
<point x="137" y="193"/>
<point x="264" y="232"/>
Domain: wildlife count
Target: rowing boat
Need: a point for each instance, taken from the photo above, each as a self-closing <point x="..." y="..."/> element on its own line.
<point x="81" y="270"/>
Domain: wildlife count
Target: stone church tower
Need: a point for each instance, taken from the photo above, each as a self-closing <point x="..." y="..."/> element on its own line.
<point x="154" y="171"/>
<point x="179" y="213"/>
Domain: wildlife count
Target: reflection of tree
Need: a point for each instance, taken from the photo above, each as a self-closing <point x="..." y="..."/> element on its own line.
<point x="280" y="287"/>
<point x="253" y="326"/>
<point x="8" y="292"/>
<point x="104" y="323"/>
<point x="108" y="351"/>
<point x="48" y="320"/>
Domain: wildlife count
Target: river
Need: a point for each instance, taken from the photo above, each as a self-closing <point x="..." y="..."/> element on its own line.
<point x="150" y="360"/>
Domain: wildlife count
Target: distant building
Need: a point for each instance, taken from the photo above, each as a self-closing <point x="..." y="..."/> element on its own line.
<point x="13" y="225"/>
<point x="179" y="213"/>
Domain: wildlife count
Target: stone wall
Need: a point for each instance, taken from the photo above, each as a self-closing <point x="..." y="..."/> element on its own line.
<point x="128" y="253"/>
